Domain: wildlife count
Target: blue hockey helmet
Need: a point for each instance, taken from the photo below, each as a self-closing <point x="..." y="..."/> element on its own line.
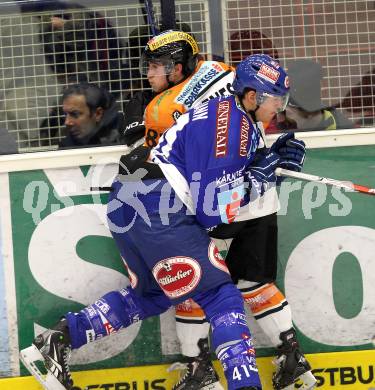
<point x="263" y="74"/>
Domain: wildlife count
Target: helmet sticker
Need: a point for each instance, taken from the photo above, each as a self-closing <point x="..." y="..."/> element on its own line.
<point x="286" y="82"/>
<point x="173" y="36"/>
<point x="268" y="73"/>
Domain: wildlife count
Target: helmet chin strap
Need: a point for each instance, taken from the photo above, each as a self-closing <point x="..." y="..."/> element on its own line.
<point x="172" y="84"/>
<point x="252" y="113"/>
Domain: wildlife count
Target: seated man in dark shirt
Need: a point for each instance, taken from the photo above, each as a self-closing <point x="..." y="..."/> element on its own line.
<point x="92" y="116"/>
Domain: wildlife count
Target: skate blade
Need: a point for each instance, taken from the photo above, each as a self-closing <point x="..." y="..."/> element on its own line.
<point x="28" y="357"/>
<point x="307" y="380"/>
<point x="213" y="386"/>
<point x="177" y="366"/>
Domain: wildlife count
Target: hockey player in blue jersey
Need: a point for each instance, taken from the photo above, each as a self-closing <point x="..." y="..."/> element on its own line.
<point x="159" y="212"/>
<point x="250" y="242"/>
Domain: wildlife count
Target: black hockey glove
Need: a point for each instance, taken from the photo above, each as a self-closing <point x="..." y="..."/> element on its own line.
<point x="133" y="132"/>
<point x="291" y="151"/>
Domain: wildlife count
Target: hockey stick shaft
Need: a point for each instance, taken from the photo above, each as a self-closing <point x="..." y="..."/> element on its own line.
<point x="325" y="180"/>
<point x="151" y="17"/>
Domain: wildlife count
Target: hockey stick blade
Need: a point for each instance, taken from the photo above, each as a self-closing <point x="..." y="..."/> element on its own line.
<point x="325" y="180"/>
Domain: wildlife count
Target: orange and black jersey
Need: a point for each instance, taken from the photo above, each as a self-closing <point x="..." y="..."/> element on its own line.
<point x="210" y="79"/>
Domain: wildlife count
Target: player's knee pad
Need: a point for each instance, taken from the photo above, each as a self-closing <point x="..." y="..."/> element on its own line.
<point x="225" y="296"/>
<point x="110" y="313"/>
<point x="191" y="326"/>
<point x="224" y="310"/>
<point x="189" y="311"/>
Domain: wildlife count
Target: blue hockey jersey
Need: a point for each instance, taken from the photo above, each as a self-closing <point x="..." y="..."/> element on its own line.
<point x="204" y="157"/>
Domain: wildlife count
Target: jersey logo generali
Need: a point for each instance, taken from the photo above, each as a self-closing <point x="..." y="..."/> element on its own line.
<point x="268" y="73"/>
<point x="222" y="123"/>
<point x="216" y="258"/>
<point x="177" y="276"/>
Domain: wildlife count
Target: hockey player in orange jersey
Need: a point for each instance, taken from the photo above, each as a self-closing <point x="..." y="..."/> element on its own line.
<point x="170" y="61"/>
<point x="193" y="83"/>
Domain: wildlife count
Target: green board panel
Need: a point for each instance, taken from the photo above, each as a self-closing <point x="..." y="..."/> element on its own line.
<point x="64" y="256"/>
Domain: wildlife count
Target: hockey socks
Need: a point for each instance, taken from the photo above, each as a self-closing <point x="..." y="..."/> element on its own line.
<point x="110" y="313"/>
<point x="238" y="355"/>
<point x="269" y="307"/>
<point x="231" y="337"/>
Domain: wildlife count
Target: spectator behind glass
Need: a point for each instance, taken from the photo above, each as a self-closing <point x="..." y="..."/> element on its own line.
<point x="360" y="100"/>
<point x="79" y="45"/>
<point x="305" y="110"/>
<point x="82" y="46"/>
<point x="92" y="116"/>
<point x="247" y="42"/>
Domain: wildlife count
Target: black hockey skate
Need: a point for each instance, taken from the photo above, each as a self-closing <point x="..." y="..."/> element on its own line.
<point x="52" y="348"/>
<point x="199" y="373"/>
<point x="292" y="365"/>
<point x="250" y="388"/>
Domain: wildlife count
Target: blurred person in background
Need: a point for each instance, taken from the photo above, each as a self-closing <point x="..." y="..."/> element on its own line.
<point x="247" y="42"/>
<point x="79" y="45"/>
<point x="305" y="110"/>
<point x="92" y="116"/>
<point x="360" y="100"/>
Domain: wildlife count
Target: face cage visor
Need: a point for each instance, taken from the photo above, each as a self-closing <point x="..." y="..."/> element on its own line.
<point x="166" y="65"/>
<point x="280" y="102"/>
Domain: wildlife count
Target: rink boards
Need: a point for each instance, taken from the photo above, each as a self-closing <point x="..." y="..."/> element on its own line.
<point x="57" y="255"/>
<point x="344" y="370"/>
